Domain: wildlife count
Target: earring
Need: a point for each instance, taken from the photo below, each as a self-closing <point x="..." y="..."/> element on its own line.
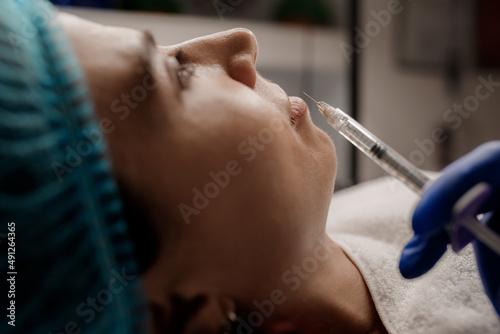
<point x="228" y="326"/>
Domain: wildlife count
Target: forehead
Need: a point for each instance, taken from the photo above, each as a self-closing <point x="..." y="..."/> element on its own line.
<point x="107" y="44"/>
<point x="126" y="42"/>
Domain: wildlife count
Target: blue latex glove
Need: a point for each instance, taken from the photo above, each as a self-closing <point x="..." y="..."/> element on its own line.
<point x="435" y="210"/>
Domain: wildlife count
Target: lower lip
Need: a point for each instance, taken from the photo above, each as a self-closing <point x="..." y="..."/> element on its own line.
<point x="299" y="109"/>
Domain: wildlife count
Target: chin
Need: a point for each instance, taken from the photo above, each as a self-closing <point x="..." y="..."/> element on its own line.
<point x="330" y="166"/>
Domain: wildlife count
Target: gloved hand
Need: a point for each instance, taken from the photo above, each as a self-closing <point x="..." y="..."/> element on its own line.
<point x="434" y="211"/>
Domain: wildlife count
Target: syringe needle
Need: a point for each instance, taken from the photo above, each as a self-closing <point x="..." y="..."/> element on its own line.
<point x="310" y="97"/>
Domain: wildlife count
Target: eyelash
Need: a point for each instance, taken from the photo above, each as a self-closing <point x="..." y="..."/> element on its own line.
<point x="184" y="73"/>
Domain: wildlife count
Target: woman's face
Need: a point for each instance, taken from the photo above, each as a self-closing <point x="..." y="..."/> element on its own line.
<point x="232" y="171"/>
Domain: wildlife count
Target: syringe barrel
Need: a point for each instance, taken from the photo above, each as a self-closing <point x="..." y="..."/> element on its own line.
<point x="391" y="161"/>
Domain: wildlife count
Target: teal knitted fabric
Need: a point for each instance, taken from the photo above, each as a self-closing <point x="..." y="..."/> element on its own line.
<point x="74" y="270"/>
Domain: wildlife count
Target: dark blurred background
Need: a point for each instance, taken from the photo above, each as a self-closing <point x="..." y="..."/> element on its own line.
<point x="318" y="12"/>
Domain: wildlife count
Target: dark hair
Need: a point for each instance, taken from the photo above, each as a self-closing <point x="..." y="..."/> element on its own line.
<point x="141" y="231"/>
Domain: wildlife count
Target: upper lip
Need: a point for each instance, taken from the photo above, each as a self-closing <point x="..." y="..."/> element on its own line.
<point x="283" y="97"/>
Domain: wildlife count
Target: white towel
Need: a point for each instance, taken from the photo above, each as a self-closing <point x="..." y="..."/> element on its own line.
<point x="372" y="222"/>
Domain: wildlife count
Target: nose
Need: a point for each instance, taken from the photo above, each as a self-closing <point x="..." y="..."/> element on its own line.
<point x="234" y="50"/>
<point x="242" y="49"/>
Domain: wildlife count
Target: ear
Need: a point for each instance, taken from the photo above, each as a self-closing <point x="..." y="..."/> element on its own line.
<point x="214" y="316"/>
<point x="181" y="315"/>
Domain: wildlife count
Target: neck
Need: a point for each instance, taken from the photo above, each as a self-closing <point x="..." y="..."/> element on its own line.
<point x="338" y="300"/>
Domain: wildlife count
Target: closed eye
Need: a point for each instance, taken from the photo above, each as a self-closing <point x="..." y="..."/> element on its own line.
<point x="184" y="74"/>
<point x="185" y="71"/>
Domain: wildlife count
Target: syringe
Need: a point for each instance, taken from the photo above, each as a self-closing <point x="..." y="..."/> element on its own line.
<point x="397" y="166"/>
<point x="391" y="161"/>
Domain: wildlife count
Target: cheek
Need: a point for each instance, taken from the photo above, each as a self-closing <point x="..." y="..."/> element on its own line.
<point x="212" y="89"/>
